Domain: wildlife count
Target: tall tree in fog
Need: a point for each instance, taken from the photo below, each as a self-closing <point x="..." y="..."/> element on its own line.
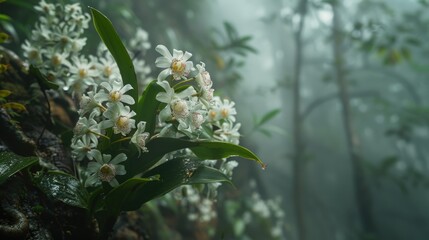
<point x="298" y="156"/>
<point x="362" y="190"/>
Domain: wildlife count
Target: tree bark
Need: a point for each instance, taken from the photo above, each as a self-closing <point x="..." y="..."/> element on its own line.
<point x="361" y="187"/>
<point x="298" y="160"/>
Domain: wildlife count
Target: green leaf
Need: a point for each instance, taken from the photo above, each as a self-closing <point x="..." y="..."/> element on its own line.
<point x="147" y="106"/>
<point x="268" y="116"/>
<point x="205" y="174"/>
<point x="158" y="147"/>
<point x="4" y="93"/>
<point x="131" y="194"/>
<point x="218" y="150"/>
<point x="14" y="106"/>
<point x="11" y="163"/>
<point x="119" y="198"/>
<point x="65" y="188"/>
<point x="43" y="82"/>
<point x="111" y="39"/>
<point x="4" y="17"/>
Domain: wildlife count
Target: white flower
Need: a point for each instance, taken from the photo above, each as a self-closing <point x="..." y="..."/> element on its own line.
<point x="179" y="108"/>
<point x="82" y="73"/>
<point x="120" y="118"/>
<point x="57" y="59"/>
<point x="203" y="77"/>
<point x="176" y="65"/>
<point x="140" y="41"/>
<point x="228" y="132"/>
<point x="140" y="137"/>
<point x="107" y="67"/>
<point x="191" y="125"/>
<point x="116" y="92"/>
<point x="176" y="105"/>
<point x="47" y="8"/>
<point x="222" y="110"/>
<point x="105" y="169"/>
<point x="227" y="110"/>
<point x="87" y="128"/>
<point x="32" y="53"/>
<point x="83" y="147"/>
<point x="88" y="104"/>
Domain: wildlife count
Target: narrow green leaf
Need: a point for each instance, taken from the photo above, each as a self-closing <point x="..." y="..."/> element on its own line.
<point x="132" y="194"/>
<point x="205" y="174"/>
<point x="172" y="174"/>
<point x="111" y="39"/>
<point x="218" y="150"/>
<point x="268" y="116"/>
<point x="10" y="163"/>
<point x="119" y="198"/>
<point x="147" y="106"/>
<point x="158" y="147"/>
<point x="65" y="188"/>
<point x="43" y="82"/>
<point x="4" y="17"/>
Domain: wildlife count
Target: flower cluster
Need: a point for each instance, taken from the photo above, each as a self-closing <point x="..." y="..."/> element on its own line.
<point x="106" y="114"/>
<point x="249" y="212"/>
<point x="56" y="39"/>
<point x="55" y="49"/>
<point x="192" y="110"/>
<point x="197" y="112"/>
<point x="94" y="81"/>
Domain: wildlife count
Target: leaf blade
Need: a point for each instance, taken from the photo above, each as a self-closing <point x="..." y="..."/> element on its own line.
<point x="10" y="163"/>
<point x="65" y="188"/>
<point x="110" y="37"/>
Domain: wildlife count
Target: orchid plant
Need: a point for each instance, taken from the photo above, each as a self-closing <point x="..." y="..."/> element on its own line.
<point x="134" y="140"/>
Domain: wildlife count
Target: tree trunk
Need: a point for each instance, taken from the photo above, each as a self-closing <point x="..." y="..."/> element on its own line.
<point x="298" y="164"/>
<point x="362" y="191"/>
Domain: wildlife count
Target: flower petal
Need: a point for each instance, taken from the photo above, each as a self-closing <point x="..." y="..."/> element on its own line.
<point x="177" y="54"/>
<point x="127" y="99"/>
<point x="165" y="113"/>
<point x="186" y="56"/>
<point x="163" y="51"/>
<point x="163" y="62"/>
<point x="163" y="74"/>
<point x="186" y="93"/>
<point x="119" y="158"/>
<point x="120" y="170"/>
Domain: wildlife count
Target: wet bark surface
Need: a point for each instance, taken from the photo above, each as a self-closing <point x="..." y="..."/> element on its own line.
<point x="26" y="213"/>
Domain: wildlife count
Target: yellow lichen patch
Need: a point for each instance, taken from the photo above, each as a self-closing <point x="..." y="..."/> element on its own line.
<point x="14" y="106"/>
<point x="3" y="37"/>
<point x="4" y="93"/>
<point x="3" y="68"/>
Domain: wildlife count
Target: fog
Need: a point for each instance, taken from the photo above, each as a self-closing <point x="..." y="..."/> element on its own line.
<point x="346" y="82"/>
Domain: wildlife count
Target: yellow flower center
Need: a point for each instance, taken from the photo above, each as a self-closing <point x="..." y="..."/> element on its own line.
<point x="83" y="73"/>
<point x="178" y="66"/>
<point x="107" y="172"/>
<point x="212" y="114"/>
<point x="122" y="122"/>
<point x="115" y="96"/>
<point x="180" y="109"/>
<point x="34" y="54"/>
<point x="224" y="112"/>
<point x="107" y="71"/>
<point x="56" y="60"/>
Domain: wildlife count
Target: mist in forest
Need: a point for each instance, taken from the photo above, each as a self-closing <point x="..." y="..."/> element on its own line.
<point x="362" y="128"/>
<point x="331" y="95"/>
